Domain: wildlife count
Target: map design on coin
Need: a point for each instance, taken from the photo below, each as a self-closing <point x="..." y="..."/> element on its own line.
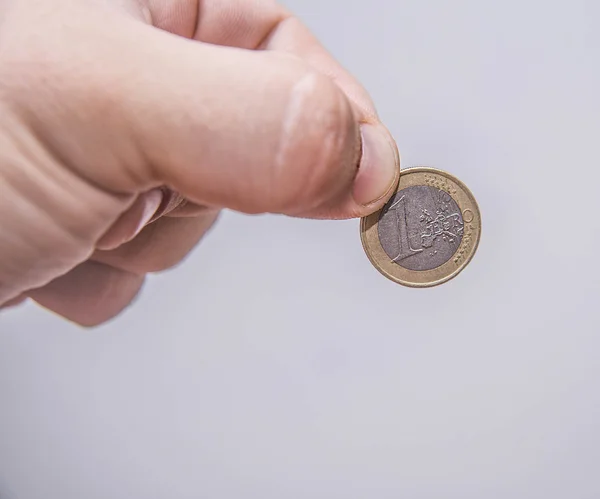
<point x="420" y="228"/>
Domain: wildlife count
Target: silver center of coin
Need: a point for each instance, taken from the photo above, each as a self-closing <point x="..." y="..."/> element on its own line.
<point x="420" y="228"/>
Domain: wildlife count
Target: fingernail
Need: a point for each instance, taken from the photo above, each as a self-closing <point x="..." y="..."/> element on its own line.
<point x="151" y="203"/>
<point x="379" y="166"/>
<point x="132" y="222"/>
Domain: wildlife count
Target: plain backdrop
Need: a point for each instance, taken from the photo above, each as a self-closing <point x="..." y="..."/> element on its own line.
<point x="276" y="363"/>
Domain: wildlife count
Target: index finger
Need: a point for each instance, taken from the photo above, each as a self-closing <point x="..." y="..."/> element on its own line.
<point x="258" y="25"/>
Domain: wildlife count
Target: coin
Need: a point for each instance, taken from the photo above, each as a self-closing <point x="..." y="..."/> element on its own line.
<point x="428" y="231"/>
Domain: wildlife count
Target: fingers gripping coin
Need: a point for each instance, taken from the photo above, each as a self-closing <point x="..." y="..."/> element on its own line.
<point x="102" y="105"/>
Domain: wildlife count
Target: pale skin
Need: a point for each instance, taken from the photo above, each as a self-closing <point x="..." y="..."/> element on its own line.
<point x="126" y="125"/>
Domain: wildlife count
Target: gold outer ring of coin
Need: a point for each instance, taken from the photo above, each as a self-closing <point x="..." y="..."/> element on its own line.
<point x="465" y="200"/>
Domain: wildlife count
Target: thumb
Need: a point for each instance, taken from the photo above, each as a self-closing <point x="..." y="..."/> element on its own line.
<point x="254" y="131"/>
<point x="257" y="132"/>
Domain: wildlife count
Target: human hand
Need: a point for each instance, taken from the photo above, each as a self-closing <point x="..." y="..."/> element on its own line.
<point x="110" y="109"/>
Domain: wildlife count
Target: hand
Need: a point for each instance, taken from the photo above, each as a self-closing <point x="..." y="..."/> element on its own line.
<point x="125" y="125"/>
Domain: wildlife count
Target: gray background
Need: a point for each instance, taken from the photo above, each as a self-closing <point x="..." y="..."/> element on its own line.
<point x="277" y="363"/>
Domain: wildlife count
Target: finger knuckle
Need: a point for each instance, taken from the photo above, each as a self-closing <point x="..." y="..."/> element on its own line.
<point x="153" y="253"/>
<point x="118" y="291"/>
<point x="162" y="245"/>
